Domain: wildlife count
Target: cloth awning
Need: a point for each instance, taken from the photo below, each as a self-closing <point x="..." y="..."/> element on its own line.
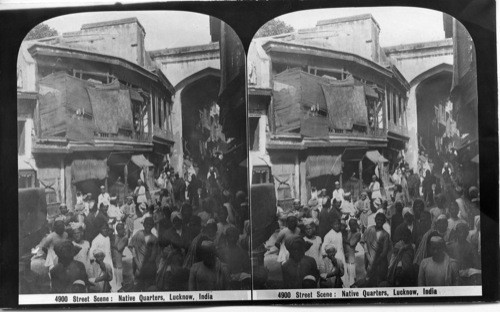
<point x="346" y="106"/>
<point x="375" y="157"/>
<point x="141" y="161"/>
<point x="112" y="109"/>
<point x="318" y="165"/>
<point x="88" y="169"/>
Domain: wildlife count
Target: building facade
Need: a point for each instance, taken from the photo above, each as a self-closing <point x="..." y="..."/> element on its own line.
<point x="325" y="105"/>
<point x="92" y="110"/>
<point x="464" y="96"/>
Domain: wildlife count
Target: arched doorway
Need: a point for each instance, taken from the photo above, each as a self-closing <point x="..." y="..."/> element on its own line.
<point x="202" y="136"/>
<point x="433" y="108"/>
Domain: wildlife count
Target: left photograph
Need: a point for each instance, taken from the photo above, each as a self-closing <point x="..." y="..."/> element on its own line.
<point x="132" y="160"/>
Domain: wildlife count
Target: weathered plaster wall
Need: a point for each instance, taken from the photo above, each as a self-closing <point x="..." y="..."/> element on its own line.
<point x="179" y="63"/>
<point x="413" y="60"/>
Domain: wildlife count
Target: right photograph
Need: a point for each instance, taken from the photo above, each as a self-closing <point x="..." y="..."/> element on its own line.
<point x="363" y="155"/>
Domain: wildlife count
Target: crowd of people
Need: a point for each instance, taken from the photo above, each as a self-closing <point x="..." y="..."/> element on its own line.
<point x="191" y="235"/>
<point x="416" y="235"/>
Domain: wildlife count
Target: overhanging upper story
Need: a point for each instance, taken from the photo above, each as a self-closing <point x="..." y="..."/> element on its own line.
<point x="321" y="97"/>
<point x="92" y="101"/>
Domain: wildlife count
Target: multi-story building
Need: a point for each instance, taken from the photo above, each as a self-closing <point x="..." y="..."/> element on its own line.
<point x="325" y="105"/>
<point x="92" y="110"/>
<point x="464" y="96"/>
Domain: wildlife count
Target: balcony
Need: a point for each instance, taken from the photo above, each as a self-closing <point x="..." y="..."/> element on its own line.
<point x="398" y="130"/>
<point x="366" y="132"/>
<point x="164" y="135"/>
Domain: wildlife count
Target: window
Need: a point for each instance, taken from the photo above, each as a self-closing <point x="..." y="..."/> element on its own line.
<point x="26" y="179"/>
<point x="254" y="133"/>
<point x="261" y="174"/>
<point x="51" y="196"/>
<point x="21" y="137"/>
<point x="165" y="114"/>
<point x="161" y="114"/>
<point x="153" y="103"/>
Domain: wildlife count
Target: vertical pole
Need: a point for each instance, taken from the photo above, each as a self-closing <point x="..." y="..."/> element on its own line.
<point x="150" y="116"/>
<point x="62" y="188"/>
<point x="296" y="180"/>
<point x="125" y="178"/>
<point x="360" y="169"/>
<point x="385" y="109"/>
<point x="397" y="109"/>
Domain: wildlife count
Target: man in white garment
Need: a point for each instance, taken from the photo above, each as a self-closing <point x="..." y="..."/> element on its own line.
<point x="338" y="192"/>
<point x="103" y="197"/>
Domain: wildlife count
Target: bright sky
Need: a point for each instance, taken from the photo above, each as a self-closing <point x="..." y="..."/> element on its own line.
<point x="398" y="25"/>
<point x="168" y="29"/>
<point x="175" y="29"/>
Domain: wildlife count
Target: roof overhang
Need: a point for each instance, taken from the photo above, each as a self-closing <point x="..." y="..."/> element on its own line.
<point x="295" y="48"/>
<point x="296" y="142"/>
<point x="260" y="91"/>
<point x="45" y="50"/>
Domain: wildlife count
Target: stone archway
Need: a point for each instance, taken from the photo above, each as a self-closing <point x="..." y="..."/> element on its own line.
<point x="428" y="90"/>
<point x="201" y="131"/>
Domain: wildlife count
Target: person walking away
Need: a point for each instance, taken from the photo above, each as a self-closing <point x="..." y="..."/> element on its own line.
<point x="404" y="186"/>
<point x="396" y="219"/>
<point x="413" y="185"/>
<point x="179" y="190"/>
<point x="429" y="180"/>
